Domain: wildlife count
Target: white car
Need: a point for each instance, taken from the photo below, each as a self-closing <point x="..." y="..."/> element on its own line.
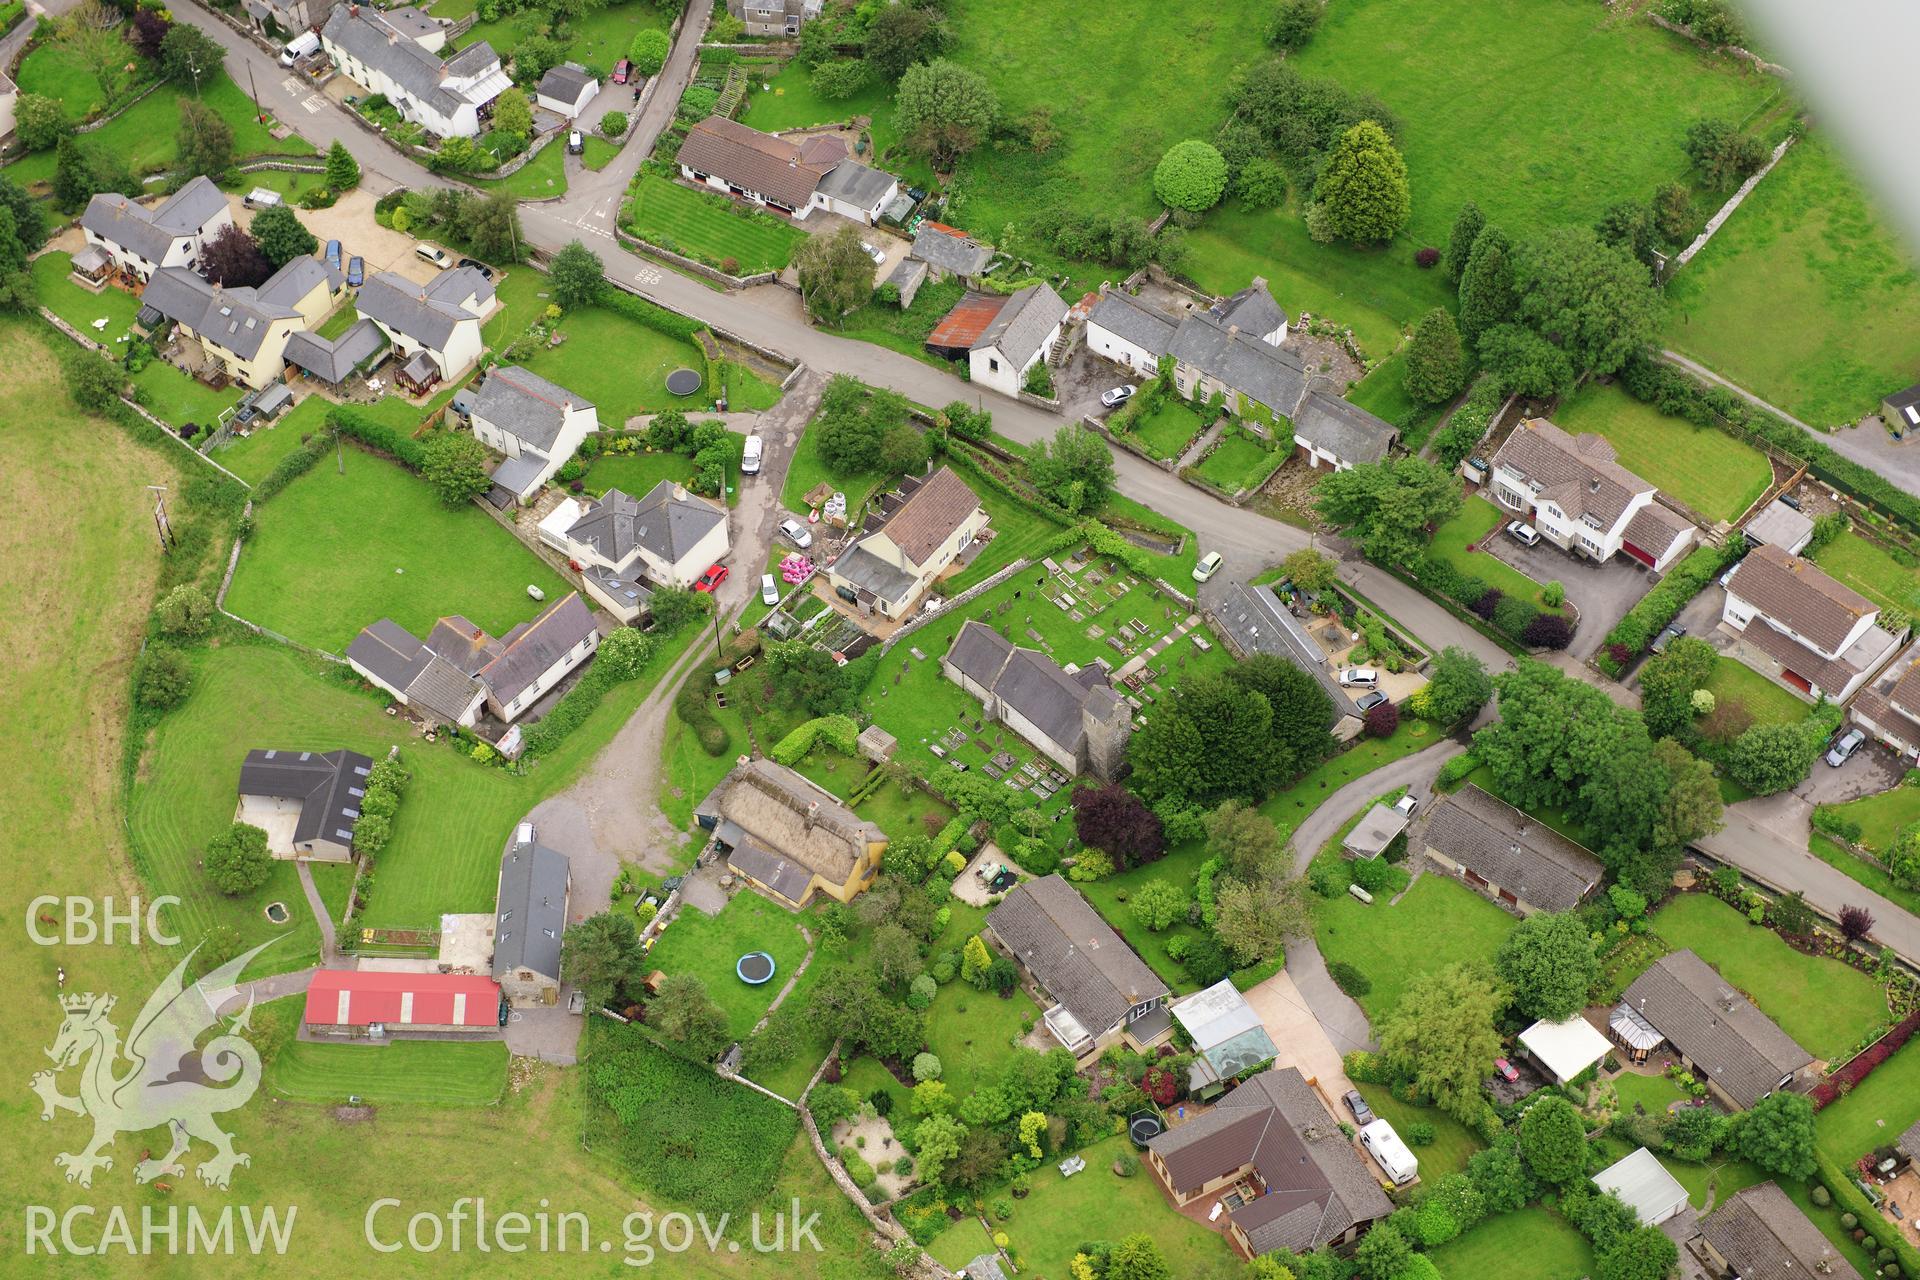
<point x="796" y="533"/>
<point x="1405" y="806"/>
<point x="1360" y="677"/>
<point x="1209" y="565"/>
<point x="1118" y="396"/>
<point x="1523" y="533"/>
<point x="576" y="142"/>
<point x="769" y="589"/>
<point x="877" y="255"/>
<point x="434" y="254"/>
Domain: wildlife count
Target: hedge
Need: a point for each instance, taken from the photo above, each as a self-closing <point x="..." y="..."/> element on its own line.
<point x="1455" y="771"/>
<point x="1862" y="1064"/>
<point x="949" y="836"/>
<point x="657" y="318"/>
<point x="576" y="705"/>
<point x="1848" y="1198"/>
<point x="1662" y="604"/>
<point x="839" y="732"/>
<point x="293" y="466"/>
<point x="377" y="435"/>
<point x="1469" y="423"/>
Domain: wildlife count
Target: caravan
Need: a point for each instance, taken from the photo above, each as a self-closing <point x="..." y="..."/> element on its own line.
<point x="1384" y="1145"/>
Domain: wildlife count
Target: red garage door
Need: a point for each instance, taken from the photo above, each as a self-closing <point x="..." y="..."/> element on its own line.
<point x="1637" y="554"/>
<point x="1797" y="680"/>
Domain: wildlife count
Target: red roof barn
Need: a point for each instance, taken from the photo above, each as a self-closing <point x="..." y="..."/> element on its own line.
<point x="346" y="1002"/>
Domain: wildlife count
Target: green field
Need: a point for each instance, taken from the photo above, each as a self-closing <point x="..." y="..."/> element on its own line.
<point x="1534" y="1243"/>
<point x="1652" y="1094"/>
<point x="596" y="40"/>
<point x="438" y="1073"/>
<point x="541" y="178"/>
<point x="1240" y="463"/>
<point x="786" y="100"/>
<point x="1439" y="922"/>
<point x="709" y="227"/>
<point x="1872" y="571"/>
<point x="1705" y="468"/>
<point x="1766" y="702"/>
<point x="708" y="947"/>
<point x="1808" y="243"/>
<point x="636" y="473"/>
<point x="1827" y="1006"/>
<point x="621" y="365"/>
<point x="1452" y="542"/>
<point x="335" y="552"/>
<point x="1383" y="393"/>
<point x="1882" y="816"/>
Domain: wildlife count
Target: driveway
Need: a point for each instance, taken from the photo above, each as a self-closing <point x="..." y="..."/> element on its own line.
<point x="1601" y="592"/>
<point x="1297" y="1033"/>
<point x="550" y="1034"/>
<point x="1872" y="769"/>
<point x="352" y="223"/>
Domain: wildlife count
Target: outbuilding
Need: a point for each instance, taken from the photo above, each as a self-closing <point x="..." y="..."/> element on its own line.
<point x="1644" y="1186"/>
<point x="1564" y="1049"/>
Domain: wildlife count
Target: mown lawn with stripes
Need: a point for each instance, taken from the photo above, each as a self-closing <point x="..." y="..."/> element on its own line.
<point x="442" y="1072"/>
<point x="673" y="217"/>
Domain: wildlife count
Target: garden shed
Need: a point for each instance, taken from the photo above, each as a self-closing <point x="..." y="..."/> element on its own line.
<point x="1644" y="1186"/>
<point x="1380" y="827"/>
<point x="1564" y="1049"/>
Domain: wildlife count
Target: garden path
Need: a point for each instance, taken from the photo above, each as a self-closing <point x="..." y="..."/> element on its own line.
<point x="329" y="945"/>
<point x="1202" y="443"/>
<point x="792" y="982"/>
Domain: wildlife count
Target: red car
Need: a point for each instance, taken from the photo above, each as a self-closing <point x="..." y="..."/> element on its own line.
<point x="622" y="71"/>
<point x="1506" y="1070"/>
<point x="712" y="578"/>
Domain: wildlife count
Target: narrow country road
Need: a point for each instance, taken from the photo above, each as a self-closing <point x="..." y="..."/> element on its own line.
<point x="1414" y="772"/>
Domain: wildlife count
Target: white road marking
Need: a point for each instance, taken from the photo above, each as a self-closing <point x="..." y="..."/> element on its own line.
<point x="647" y="275"/>
<point x="292" y="85"/>
<point x="313" y="102"/>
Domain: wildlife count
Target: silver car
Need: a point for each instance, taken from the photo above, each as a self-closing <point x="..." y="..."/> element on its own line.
<point x="796" y="533"/>
<point x="1843" y="750"/>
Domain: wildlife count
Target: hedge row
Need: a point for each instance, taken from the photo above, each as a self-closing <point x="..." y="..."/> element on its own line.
<point x="1849" y="1198"/>
<point x="1662" y="604"/>
<point x="376" y="435"/>
<point x="839" y="732"/>
<point x="1508" y="616"/>
<point x="293" y="466"/>
<point x="1862" y="1064"/>
<point x="657" y="318"/>
<point x="1469" y="423"/>
<point x="580" y="701"/>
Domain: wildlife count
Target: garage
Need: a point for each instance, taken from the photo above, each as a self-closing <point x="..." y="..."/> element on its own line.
<point x="1797" y="680"/>
<point x="1637" y="554"/>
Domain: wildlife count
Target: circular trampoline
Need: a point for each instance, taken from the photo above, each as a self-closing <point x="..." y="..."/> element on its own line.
<point x="755" y="968"/>
<point x="1143" y="1129"/>
<point x="683" y="382"/>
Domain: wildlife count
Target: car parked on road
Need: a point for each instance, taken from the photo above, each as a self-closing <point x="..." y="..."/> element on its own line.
<point x="1523" y="533"/>
<point x="1357" y="1105"/>
<point x="1118" y="396"/>
<point x="1851" y="741"/>
<point x="769" y="589"/>
<point x="750" y="455"/>
<point x="1209" y="565"/>
<point x="796" y="533"/>
<point x="712" y="578"/>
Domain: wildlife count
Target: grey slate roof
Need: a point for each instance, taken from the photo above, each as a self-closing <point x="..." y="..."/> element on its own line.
<point x="855" y="183"/>
<point x="457" y="284"/>
<point x="1343" y="428"/>
<point x="329" y="787"/>
<point x="668" y="521"/>
<point x="236" y="319"/>
<point x="1763" y="1235"/>
<point x="1121" y="315"/>
<point x="781" y="875"/>
<point x="332" y="360"/>
<point x="532" y="648"/>
<point x="565" y="82"/>
<point x="391" y="652"/>
<point x="1073" y="953"/>
<point x="149" y="233"/>
<point x="443" y="689"/>
<point x="1317" y="1186"/>
<point x="1253" y="620"/>
<point x="979" y="652"/>
<point x="1023" y="323"/>
<point x="298" y="278"/>
<point x="525" y="405"/>
<point x="1253" y="309"/>
<point x="1731" y="1042"/>
<point x="1271" y="375"/>
<point x="407" y="308"/>
<point x="1032" y="683"/>
<point x="949" y="251"/>
<point x="531" y="911"/>
<point x="868" y="572"/>
<point x="1518" y="853"/>
<point x="392" y="49"/>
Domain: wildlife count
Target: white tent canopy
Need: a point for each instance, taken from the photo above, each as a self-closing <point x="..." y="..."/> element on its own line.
<point x="1564" y="1048"/>
<point x="1644" y="1185"/>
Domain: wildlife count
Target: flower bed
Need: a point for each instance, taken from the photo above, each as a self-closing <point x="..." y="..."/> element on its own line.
<point x="1862" y="1064"/>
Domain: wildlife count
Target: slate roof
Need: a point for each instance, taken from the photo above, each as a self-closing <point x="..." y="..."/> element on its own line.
<point x="411" y="309"/>
<point x="1731" y="1042"/>
<point x="150" y="233"/>
<point x="332" y="361"/>
<point x="1796" y="593"/>
<point x="979" y="652"/>
<point x="1270" y="375"/>
<point x="1317" y="1185"/>
<point x="780" y="875"/>
<point x="1120" y="315"/>
<point x="1032" y="684"/>
<point x="328" y="785"/>
<point x="391" y="48"/>
<point x="868" y="572"/>
<point x="1343" y="428"/>
<point x="530" y="913"/>
<point x="428" y="679"/>
<point x="1020" y="327"/>
<point x="526" y="406"/>
<point x="668" y="521"/>
<point x="1520" y="854"/>
<point x="1763" y="1235"/>
<point x="298" y="278"/>
<point x="1074" y="954"/>
<point x="1255" y="621"/>
<point x="1654" y="528"/>
<point x="1906" y="404"/>
<point x="751" y="160"/>
<point x="949" y="249"/>
<point x="233" y="318"/>
<point x="856" y="184"/>
<point x="781" y="812"/>
<point x="1253" y="309"/>
<point x="931" y="515"/>
<point x="531" y="649"/>
<point x="459" y="284"/>
<point x="565" y="83"/>
<point x="1577" y="472"/>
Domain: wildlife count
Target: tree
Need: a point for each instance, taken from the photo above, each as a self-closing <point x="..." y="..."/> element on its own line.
<point x="1302" y="711"/>
<point x="89" y="33"/>
<point x="1254" y="920"/>
<point x="1487" y="295"/>
<point x="146" y="32"/>
<point x="1724" y="154"/>
<point x="237" y="860"/>
<point x="1383" y="1253"/>
<point x="685" y="1014"/>
<point x="836" y="275"/>
<point x="18" y="292"/>
<point x="974" y="959"/>
<point x="493" y="227"/>
<point x="455" y="464"/>
<point x="1436" y="362"/>
<point x="1309" y="570"/>
<point x="1645" y="1253"/>
<point x="1525" y="363"/>
<point x="1457" y="686"/>
<point x="1629" y="225"/>
<point x="1388" y="506"/>
<point x="39" y="121"/>
<point x="1592" y="300"/>
<point x="1668" y="680"/>
<point x="1363" y="186"/>
<point x="675" y="607"/>
<point x="1294" y="23"/>
<point x="92" y="382"/>
<point x="577" y="275"/>
<point x="1261" y="183"/>
<point x="1442" y="1036"/>
<point x="1074" y="469"/>
<point x="601" y="956"/>
<point x="1137" y="1257"/>
<point x="1553" y="1140"/>
<point x="1855" y="923"/>
<point x="1548" y="962"/>
<point x="1112" y="818"/>
<point x="1501" y="1177"/>
<point x="1217" y="740"/>
<point x="163" y="678"/>
<point x="841" y="78"/>
<point x="854" y="1007"/>
<point x="512" y="113"/>
<point x="1691" y="808"/>
<point x="1467" y="225"/>
<point x="1246" y="842"/>
<point x="190" y="57"/>
<point x="83" y="169"/>
<point x="1792" y="916"/>
<point x="1673" y="219"/>
<point x="1158" y="903"/>
<point x="649" y="51"/>
<point x="1770" y="758"/>
<point x="613" y="124"/>
<point x="905" y="449"/>
<point x="1776" y="1133"/>
<point x="944" y="110"/>
<point x="184" y="611"/>
<point x="343" y="171"/>
<point x="894" y="956"/>
<point x="232" y="259"/>
<point x="937" y="1139"/>
<point x="901" y="35"/>
<point x="1191" y="176"/>
<point x="280" y="235"/>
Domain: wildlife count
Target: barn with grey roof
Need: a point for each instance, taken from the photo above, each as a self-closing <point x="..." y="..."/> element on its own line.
<point x="530" y="915"/>
<point x="308" y="802"/>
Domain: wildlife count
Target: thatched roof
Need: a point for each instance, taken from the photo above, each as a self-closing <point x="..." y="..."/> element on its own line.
<point x="788" y="815"/>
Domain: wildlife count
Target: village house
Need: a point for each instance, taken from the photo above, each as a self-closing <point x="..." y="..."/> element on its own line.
<point x="375" y="1005"/>
<point x="1581" y="500"/>
<point x="1889" y="709"/>
<point x="396" y="54"/>
<point x="243" y="332"/>
<point x="530" y="915"/>
<point x="1740" y="1053"/>
<point x="567" y="90"/>
<point x="1253" y="620"/>
<point x="1099" y="990"/>
<point x="332" y="361"/>
<point x="1515" y="859"/>
<point x="790" y="177"/>
<point x="949" y="251"/>
<point x="1075" y="718"/>
<point x="140" y="241"/>
<point x="434" y="327"/>
<point x="1818" y="637"/>
<point x="774" y="17"/>
<point x="1001" y="336"/>
<point x="915" y="540"/>
<point x="307" y="802"/>
<point x="623" y="544"/>
<point x="789" y="837"/>
<point x="1331" y="432"/>
<point x="1280" y="1170"/>
<point x="537" y="424"/>
<point x="1761" y="1234"/>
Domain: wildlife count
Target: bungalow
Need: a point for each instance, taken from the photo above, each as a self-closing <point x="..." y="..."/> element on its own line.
<point x="396" y="55"/>
<point x="1761" y="1234"/>
<point x="1889" y="709"/>
<point x="375" y="1005"/>
<point x="537" y="424"/>
<point x="774" y="17"/>
<point x="1253" y="620"/>
<point x="1332" y="432"/>
<point x="412" y="670"/>
<point x="530" y="915"/>
<point x="886" y="570"/>
<point x="789" y="837"/>
<point x="140" y="241"/>
<point x="1228" y="1037"/>
<point x="1573" y="491"/>
<point x="306" y="801"/>
<point x="243" y="332"/>
<point x="1101" y="991"/>
<point x="1001" y="336"/>
<point x="437" y="324"/>
<point x="790" y="177"/>
<point x="1519" y="861"/>
<point x="566" y="90"/>
<point x="1074" y="717"/>
<point x="1739" y="1052"/>
<point x="1281" y="1172"/>
<point x="1818" y="637"/>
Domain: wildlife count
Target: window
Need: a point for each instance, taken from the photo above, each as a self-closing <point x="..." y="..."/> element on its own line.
<point x="993" y="365"/>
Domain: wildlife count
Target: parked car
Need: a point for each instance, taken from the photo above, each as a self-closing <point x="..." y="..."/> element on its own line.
<point x="1118" y="396"/>
<point x="878" y="255"/>
<point x="623" y="71"/>
<point x="356" y="271"/>
<point x="432" y="253"/>
<point x="1360" y="677"/>
<point x="1790" y="501"/>
<point x="1506" y="1070"/>
<point x="1523" y="533"/>
<point x="1851" y="741"/>
<point x="1405" y="806"/>
<point x="1362" y="1113"/>
<point x="751" y="454"/>
<point x="1209" y="565"/>
<point x="299" y="47"/>
<point x="769" y="589"/>
<point x="1667" y="637"/>
<point x="576" y="142"/>
<point x="796" y="533"/>
<point x="712" y="578"/>
<point x="1369" y="700"/>
<point x="333" y="254"/>
<point x="486" y="272"/>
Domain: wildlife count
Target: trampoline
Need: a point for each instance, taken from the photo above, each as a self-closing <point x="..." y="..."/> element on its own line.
<point x="683" y="382"/>
<point x="755" y="968"/>
<point x="1143" y="1128"/>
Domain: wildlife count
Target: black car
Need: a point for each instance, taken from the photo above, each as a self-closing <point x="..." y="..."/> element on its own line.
<point x="478" y="265"/>
<point x="1369" y="700"/>
<point x="1362" y="1113"/>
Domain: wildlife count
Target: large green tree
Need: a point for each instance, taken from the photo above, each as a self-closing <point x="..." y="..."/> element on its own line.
<point x="648" y="51"/>
<point x="1525" y="363"/>
<point x="1436" y="362"/>
<point x="1645" y="1253"/>
<point x="1246" y="842"/>
<point x="1487" y="295"/>
<point x="1137" y="1257"/>
<point x="1363" y="186"/>
<point x="280" y="235"/>
<point x="685" y="1015"/>
<point x="577" y="275"/>
<point x="601" y="956"/>
<point x="1457" y="686"/>
<point x="1549" y="964"/>
<point x="1389" y="506"/>
<point x="455" y="464"/>
<point x="1770" y="758"/>
<point x="343" y="171"/>
<point x="190" y="57"/>
<point x="204" y="142"/>
<point x="902" y="34"/>
<point x="836" y="275"/>
<point x="1074" y="469"/>
<point x="1592" y="300"/>
<point x="1553" y="1141"/>
<point x="237" y="860"/>
<point x="944" y="110"/>
<point x="1668" y="680"/>
<point x="1467" y="225"/>
<point x="1691" y="808"/>
<point x="512" y="113"/>
<point x="1191" y="176"/>
<point x="493" y="227"/>
<point x="1441" y="1036"/>
<point x="1253" y="919"/>
<point x="1776" y="1133"/>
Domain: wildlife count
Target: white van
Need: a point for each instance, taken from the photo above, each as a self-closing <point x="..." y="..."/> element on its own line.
<point x="299" y="47"/>
<point x="1384" y="1145"/>
<point x="750" y="459"/>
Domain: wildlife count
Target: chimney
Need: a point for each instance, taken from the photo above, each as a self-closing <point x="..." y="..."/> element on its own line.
<point x="813" y="812"/>
<point x="1233" y="331"/>
<point x="679" y="493"/>
<point x="1593" y="485"/>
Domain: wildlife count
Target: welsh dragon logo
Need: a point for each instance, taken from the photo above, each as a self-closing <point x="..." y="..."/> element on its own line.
<point x="159" y="1077"/>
